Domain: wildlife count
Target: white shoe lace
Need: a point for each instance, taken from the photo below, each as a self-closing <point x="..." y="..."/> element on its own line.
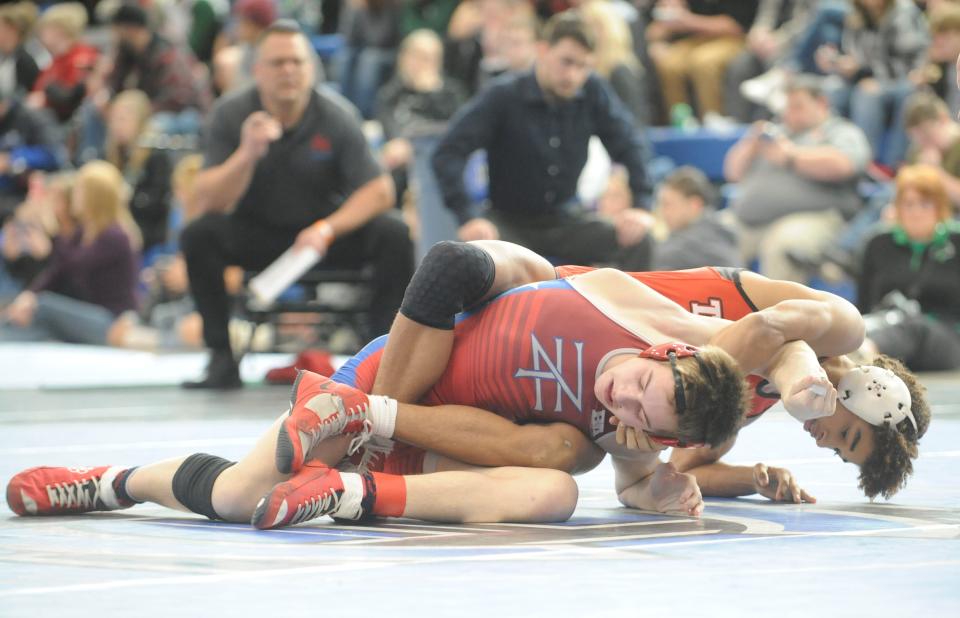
<point x="81" y="493"/>
<point x="316" y="506"/>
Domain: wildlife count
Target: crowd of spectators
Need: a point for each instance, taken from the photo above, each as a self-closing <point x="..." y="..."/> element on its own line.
<point x="151" y="151"/>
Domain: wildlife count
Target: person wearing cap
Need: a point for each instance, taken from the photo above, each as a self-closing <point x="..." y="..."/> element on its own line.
<point x="286" y="163"/>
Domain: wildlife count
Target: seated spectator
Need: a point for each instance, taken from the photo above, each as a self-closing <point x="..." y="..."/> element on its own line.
<point x="934" y="139"/>
<point x="419" y="100"/>
<point x="145" y="61"/>
<point x="488" y="38"/>
<point x="142" y="60"/>
<point x="940" y="72"/>
<point x="536" y="127"/>
<point x="797" y="180"/>
<point x="614" y="59"/>
<point x="251" y="18"/>
<point x="696" y="236"/>
<point x="910" y="277"/>
<point x="27" y="144"/>
<point x="773" y="50"/>
<point x="694" y="41"/>
<point x="884" y="43"/>
<point x="18" y="68"/>
<point x="61" y="86"/>
<point x="28" y="235"/>
<point x="371" y="29"/>
<point x="146" y="169"/>
<point x="91" y="277"/>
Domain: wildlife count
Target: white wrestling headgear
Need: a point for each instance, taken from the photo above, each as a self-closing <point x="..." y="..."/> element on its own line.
<point x="876" y="395"/>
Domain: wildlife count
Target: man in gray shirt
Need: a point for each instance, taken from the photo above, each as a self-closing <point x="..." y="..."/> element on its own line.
<point x="287" y="164"/>
<point x="797" y="180"/>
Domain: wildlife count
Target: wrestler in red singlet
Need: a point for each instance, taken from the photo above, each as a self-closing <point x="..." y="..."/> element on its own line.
<point x="533" y="353"/>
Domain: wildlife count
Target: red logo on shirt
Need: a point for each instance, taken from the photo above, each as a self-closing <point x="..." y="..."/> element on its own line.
<point x="320" y="143"/>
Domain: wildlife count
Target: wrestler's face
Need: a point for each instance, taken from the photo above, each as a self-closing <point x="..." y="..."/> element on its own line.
<point x="639" y="392"/>
<point x="844" y="433"/>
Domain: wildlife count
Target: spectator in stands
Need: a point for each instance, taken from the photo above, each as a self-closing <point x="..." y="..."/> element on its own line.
<point x="695" y="40"/>
<point x="614" y="57"/>
<point x="797" y="180"/>
<point x="146" y="61"/>
<point x="91" y="277"/>
<point x="18" y="68"/>
<point x="884" y="43"/>
<point x="371" y="30"/>
<point x="251" y="18"/>
<point x="910" y="277"/>
<point x="935" y="139"/>
<point x="287" y="164"/>
<point x="696" y="235"/>
<point x="27" y="144"/>
<point x="535" y="128"/>
<point x="488" y="38"/>
<point x="145" y="168"/>
<point x="414" y="109"/>
<point x="61" y="86"/>
<point x="940" y="72"/>
<point x="28" y="235"/>
<point x="773" y="49"/>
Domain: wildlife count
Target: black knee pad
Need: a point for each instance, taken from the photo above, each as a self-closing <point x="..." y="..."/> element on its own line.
<point x="193" y="482"/>
<point x="451" y="277"/>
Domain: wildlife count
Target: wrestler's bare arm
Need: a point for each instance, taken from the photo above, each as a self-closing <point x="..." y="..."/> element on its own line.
<point x="644" y="482"/>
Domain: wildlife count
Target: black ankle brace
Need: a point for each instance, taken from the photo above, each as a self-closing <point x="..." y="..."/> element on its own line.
<point x="193" y="482"/>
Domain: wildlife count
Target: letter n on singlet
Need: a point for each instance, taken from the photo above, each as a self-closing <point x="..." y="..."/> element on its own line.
<point x="544" y="368"/>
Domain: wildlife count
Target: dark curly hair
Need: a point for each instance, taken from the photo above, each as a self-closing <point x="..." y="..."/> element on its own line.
<point x="885" y="472"/>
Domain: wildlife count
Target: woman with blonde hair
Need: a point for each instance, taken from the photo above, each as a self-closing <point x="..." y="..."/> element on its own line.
<point x="614" y="56"/>
<point x="18" y="68"/>
<point x="91" y="277"/>
<point x="61" y="86"/>
<point x="146" y="169"/>
<point x="910" y="277"/>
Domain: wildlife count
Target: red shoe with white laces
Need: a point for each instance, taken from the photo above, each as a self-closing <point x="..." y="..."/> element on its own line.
<point x="319" y="409"/>
<point x="315" y="491"/>
<point x="66" y="491"/>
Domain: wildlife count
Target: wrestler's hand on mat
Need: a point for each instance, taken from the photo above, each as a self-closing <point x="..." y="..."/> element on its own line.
<point x="675" y="492"/>
<point x="779" y="485"/>
<point x="811" y="397"/>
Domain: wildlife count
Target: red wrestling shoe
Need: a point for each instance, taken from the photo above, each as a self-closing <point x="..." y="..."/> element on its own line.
<point x="66" y="491"/>
<point x="319" y="409"/>
<point x="316" y="491"/>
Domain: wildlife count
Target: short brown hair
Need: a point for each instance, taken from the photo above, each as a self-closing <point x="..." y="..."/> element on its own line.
<point x="716" y="395"/>
<point x="569" y="25"/>
<point x="887" y="468"/>
<point x="811" y="84"/>
<point x="691" y="182"/>
<point x="923" y="107"/>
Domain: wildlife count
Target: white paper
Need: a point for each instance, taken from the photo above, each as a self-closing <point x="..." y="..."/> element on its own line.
<point x="280" y="275"/>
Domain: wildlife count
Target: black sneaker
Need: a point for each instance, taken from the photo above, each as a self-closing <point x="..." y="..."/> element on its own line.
<point x="222" y="373"/>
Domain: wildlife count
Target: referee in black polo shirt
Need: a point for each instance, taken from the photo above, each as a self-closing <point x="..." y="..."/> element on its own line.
<point x="286" y="163"/>
<point x="535" y="127"/>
